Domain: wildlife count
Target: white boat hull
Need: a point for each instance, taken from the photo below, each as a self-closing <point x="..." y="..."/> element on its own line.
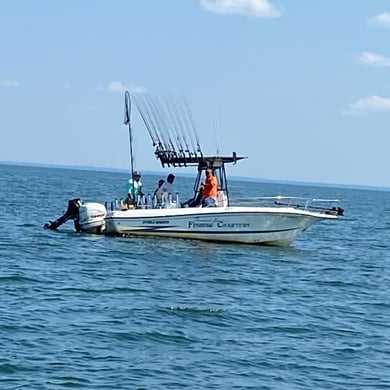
<point x="251" y="225"/>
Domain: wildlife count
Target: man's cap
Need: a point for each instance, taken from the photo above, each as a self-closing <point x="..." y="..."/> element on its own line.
<point x="137" y="173"/>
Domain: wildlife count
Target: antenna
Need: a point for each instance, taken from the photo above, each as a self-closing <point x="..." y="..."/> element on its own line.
<point x="216" y="133"/>
<point x="127" y="121"/>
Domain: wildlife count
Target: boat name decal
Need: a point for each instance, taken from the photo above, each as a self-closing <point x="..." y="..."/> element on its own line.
<point x="218" y="224"/>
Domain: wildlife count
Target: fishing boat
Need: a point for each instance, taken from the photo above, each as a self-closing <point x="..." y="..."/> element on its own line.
<point x="273" y="221"/>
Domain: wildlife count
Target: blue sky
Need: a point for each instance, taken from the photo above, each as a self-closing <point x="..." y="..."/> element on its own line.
<point x="299" y="87"/>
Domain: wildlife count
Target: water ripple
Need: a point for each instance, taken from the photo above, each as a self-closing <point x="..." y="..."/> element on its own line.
<point x="95" y="312"/>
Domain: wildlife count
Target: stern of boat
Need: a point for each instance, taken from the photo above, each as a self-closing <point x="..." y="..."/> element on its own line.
<point x="92" y="217"/>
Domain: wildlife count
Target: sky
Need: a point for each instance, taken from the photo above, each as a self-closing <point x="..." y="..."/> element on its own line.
<point x="301" y="88"/>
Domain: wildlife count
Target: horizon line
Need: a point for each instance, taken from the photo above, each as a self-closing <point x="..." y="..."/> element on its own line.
<point x="243" y="178"/>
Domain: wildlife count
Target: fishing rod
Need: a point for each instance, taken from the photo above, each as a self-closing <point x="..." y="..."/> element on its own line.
<point x="160" y="116"/>
<point x="154" y="122"/>
<point x="176" y="131"/>
<point x="173" y="129"/>
<point x="170" y="128"/>
<point x="182" y="109"/>
<point x="148" y="122"/>
<point x="194" y="129"/>
<point x="180" y="128"/>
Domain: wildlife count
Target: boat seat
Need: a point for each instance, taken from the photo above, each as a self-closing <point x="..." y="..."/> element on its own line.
<point x="222" y="200"/>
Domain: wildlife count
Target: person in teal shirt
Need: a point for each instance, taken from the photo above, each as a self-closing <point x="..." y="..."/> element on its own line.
<point x="134" y="188"/>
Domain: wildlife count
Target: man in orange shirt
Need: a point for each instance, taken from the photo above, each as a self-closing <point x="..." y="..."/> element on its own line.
<point x="210" y="187"/>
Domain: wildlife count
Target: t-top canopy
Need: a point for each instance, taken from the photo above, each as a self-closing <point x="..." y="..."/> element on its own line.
<point x="203" y="162"/>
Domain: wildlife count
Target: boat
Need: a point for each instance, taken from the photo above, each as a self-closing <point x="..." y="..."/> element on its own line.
<point x="275" y="220"/>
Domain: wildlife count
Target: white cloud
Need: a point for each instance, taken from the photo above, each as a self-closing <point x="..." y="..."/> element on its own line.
<point x="9" y="83"/>
<point x="374" y="59"/>
<point x="120" y="87"/>
<point x="372" y="103"/>
<point x="258" y="8"/>
<point x="380" y="20"/>
<point x="116" y="86"/>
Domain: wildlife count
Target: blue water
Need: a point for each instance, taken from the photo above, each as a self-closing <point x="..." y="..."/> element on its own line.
<point x="94" y="312"/>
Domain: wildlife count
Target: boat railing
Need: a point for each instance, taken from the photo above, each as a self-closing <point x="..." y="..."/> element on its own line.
<point x="326" y="206"/>
<point x="112" y="205"/>
<point x="167" y="201"/>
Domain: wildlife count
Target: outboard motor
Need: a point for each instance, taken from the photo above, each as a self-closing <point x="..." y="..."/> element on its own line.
<point x="87" y="217"/>
<point x="71" y="213"/>
<point x="335" y="211"/>
<point x="92" y="217"/>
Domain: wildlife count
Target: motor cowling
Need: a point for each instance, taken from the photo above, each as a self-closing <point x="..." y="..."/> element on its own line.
<point x="92" y="217"/>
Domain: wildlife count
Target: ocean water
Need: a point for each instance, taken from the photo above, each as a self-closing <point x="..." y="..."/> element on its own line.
<point x="93" y="312"/>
